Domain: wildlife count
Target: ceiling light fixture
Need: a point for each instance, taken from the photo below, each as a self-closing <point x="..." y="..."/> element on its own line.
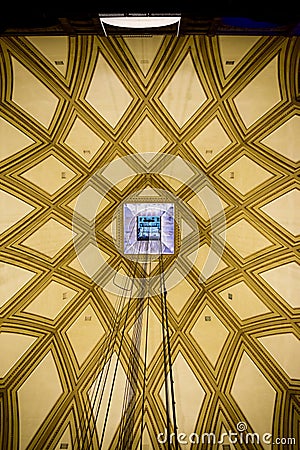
<point x="139" y="21"/>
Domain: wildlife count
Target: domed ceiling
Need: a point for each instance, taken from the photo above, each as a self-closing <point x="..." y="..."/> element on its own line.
<point x="208" y="123"/>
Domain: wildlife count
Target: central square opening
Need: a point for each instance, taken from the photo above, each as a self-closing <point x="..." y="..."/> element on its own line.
<point x="148" y="228"/>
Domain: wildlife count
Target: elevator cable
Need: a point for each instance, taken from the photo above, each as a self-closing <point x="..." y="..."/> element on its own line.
<point x="118" y="355"/>
<point x="145" y="372"/>
<point x="84" y="440"/>
<point x="167" y="357"/>
<point x="129" y="403"/>
<point x="94" y="398"/>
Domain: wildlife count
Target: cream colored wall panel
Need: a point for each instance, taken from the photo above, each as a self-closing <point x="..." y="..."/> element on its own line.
<point x="285" y="280"/>
<point x="144" y="50"/>
<point x="285" y="349"/>
<point x="107" y="94"/>
<point x="85" y="333"/>
<point x="12" y="279"/>
<point x="207" y="203"/>
<point x="185" y="229"/>
<point x="285" y="211"/>
<point x="184" y="94"/>
<point x="285" y="139"/>
<point x="245" y="239"/>
<point x="255" y="396"/>
<point x="234" y="49"/>
<point x="83" y="140"/>
<point x="13" y="346"/>
<point x="65" y="439"/>
<point x="15" y="210"/>
<point x="187" y="387"/>
<point x="245" y="175"/>
<point x="50" y="238"/>
<point x="260" y="94"/>
<point x="210" y="333"/>
<point x="179" y="292"/>
<point x="112" y="229"/>
<point x="36" y="397"/>
<point x="124" y="183"/>
<point x="117" y="171"/>
<point x="207" y="261"/>
<point x="178" y="169"/>
<point x="12" y="140"/>
<point x="153" y="339"/>
<point x="112" y="292"/>
<point x="147" y="138"/>
<point x="89" y="203"/>
<point x="50" y="174"/>
<point x="244" y="302"/>
<point x="32" y="95"/>
<point x="51" y="301"/>
<point x="211" y="140"/>
<point x="54" y="48"/>
<point x="89" y="260"/>
<point x="115" y="374"/>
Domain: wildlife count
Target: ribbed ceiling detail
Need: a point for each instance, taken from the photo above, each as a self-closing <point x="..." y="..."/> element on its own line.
<point x="207" y="120"/>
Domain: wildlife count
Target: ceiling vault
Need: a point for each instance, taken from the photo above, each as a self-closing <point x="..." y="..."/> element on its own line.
<point x="209" y="122"/>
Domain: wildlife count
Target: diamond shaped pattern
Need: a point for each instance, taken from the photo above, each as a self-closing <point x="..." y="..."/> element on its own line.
<point x="50" y="174"/>
<point x="260" y="94"/>
<point x="26" y="89"/>
<point x="256" y="175"/>
<point x="220" y="108"/>
<point x="106" y="93"/>
<point x="211" y="140"/>
<point x="147" y="138"/>
<point x="285" y="139"/>
<point x="50" y="238"/>
<point x="210" y="333"/>
<point x="83" y="140"/>
<point x="245" y="239"/>
<point x="184" y="84"/>
<point x="85" y="333"/>
<point x="282" y="210"/>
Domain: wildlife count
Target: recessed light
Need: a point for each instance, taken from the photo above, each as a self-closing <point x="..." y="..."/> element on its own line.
<point x="139" y="21"/>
